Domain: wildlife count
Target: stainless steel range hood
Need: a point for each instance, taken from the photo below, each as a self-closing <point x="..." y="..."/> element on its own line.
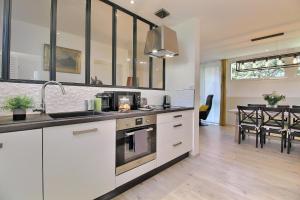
<point x="161" y="42"/>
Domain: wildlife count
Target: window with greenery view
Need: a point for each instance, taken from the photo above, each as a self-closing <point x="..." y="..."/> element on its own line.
<point x="257" y="74"/>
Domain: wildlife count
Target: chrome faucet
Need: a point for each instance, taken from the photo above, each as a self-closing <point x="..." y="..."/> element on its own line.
<point x="43" y="94"/>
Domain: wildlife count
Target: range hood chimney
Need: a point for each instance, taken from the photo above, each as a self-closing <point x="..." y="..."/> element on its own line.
<point x="161" y="41"/>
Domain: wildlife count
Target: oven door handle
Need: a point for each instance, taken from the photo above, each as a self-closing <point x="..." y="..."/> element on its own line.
<point x="129" y="134"/>
<point x="132" y="133"/>
<point x="149" y="129"/>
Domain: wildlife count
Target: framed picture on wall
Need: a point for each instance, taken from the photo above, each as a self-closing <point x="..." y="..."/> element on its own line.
<point x="67" y="60"/>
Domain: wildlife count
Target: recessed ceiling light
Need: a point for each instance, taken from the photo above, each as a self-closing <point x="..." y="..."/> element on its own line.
<point x="132" y="1"/>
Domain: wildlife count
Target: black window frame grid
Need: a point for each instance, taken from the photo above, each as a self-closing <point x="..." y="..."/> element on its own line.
<point x="6" y="38"/>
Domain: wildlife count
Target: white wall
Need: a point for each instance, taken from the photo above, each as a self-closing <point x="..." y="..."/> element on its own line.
<point x="183" y="72"/>
<point x="72" y="101"/>
<point x="243" y="92"/>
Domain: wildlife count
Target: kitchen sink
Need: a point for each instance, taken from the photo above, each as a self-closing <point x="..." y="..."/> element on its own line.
<point x="76" y="114"/>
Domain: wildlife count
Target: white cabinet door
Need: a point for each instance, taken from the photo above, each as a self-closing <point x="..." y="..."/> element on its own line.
<point x="21" y="165"/>
<point x="79" y="161"/>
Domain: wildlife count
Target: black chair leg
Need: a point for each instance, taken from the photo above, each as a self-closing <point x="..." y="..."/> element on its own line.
<point x="240" y="134"/>
<point x="289" y="144"/>
<point x="281" y="143"/>
<point x="285" y="135"/>
<point x="256" y="140"/>
<point x="261" y="140"/>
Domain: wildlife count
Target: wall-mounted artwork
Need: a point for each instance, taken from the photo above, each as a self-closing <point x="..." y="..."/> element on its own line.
<point x="67" y="60"/>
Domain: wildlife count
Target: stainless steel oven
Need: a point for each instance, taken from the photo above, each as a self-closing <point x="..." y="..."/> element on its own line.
<point x="135" y="142"/>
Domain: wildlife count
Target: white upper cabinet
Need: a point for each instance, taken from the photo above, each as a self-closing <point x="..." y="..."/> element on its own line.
<point x="79" y="160"/>
<point x="21" y="165"/>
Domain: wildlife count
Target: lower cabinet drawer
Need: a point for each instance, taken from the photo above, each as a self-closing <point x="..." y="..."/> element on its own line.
<point x="173" y="140"/>
<point x="175" y="117"/>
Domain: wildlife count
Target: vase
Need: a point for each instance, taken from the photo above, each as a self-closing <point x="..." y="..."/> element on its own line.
<point x="272" y="106"/>
<point x="19" y="114"/>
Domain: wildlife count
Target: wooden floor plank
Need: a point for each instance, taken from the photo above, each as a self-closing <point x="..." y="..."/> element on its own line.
<point x="225" y="170"/>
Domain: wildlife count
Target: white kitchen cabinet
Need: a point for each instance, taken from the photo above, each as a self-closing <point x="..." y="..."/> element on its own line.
<point x="79" y="160"/>
<point x="174" y="135"/>
<point x="21" y="165"/>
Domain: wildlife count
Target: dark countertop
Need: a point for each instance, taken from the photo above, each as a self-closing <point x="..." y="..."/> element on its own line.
<point x="37" y="121"/>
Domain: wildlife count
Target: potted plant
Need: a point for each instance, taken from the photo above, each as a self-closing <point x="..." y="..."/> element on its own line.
<point x="273" y="98"/>
<point x="18" y="106"/>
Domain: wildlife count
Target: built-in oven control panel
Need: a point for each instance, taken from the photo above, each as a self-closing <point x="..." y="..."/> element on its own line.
<point x="128" y="123"/>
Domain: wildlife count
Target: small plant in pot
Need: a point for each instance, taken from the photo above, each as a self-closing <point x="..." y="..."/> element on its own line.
<point x="273" y="98"/>
<point x="18" y="105"/>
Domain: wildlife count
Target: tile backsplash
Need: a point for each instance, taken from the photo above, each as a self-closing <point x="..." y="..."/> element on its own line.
<point x="72" y="101"/>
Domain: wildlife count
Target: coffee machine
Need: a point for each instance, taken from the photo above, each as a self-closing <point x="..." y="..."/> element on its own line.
<point x="167" y="102"/>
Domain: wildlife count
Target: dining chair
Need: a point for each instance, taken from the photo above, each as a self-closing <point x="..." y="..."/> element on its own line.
<point x="293" y="126"/>
<point x="248" y="120"/>
<point x="259" y="106"/>
<point x="294" y="106"/>
<point x="286" y="107"/>
<point x="273" y="121"/>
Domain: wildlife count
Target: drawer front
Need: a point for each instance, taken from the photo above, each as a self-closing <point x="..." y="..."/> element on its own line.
<point x="174" y="139"/>
<point x="174" y="117"/>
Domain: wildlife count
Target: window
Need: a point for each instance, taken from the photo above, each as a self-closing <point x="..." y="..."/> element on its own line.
<point x="256" y="74"/>
<point x="124" y="60"/>
<point x="70" y="41"/>
<point x="142" y="61"/>
<point x="298" y="71"/>
<point x="30" y="34"/>
<point x="158" y="73"/>
<point x="1" y="25"/>
<point x="101" y="44"/>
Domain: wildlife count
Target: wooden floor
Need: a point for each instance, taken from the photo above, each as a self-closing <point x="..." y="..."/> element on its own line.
<point x="225" y="170"/>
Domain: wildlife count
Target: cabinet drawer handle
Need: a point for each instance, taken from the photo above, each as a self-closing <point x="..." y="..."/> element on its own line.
<point x="177" y="116"/>
<point x="177" y="125"/>
<point x="1" y="145"/>
<point x="177" y="144"/>
<point x="85" y="131"/>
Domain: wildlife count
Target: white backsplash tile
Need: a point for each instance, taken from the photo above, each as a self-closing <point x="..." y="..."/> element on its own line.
<point x="72" y="101"/>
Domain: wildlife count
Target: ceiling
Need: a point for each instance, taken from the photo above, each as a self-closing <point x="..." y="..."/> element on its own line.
<point x="233" y="22"/>
<point x="226" y="25"/>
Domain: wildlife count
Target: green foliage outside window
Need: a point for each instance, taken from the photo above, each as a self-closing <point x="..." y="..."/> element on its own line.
<point x="257" y="74"/>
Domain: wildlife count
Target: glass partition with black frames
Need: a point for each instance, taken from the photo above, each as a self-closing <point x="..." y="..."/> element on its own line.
<point x="158" y="73"/>
<point x="101" y="43"/>
<point x="29" y="36"/>
<point x="77" y="42"/>
<point x="70" y="41"/>
<point x="124" y="45"/>
<point x="142" y="60"/>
